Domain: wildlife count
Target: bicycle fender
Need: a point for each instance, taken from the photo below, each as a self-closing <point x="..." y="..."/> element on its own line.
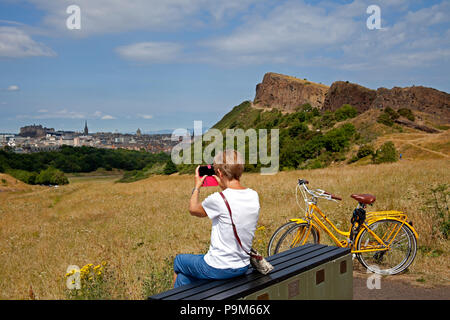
<point x="371" y="221"/>
<point x="298" y="221"/>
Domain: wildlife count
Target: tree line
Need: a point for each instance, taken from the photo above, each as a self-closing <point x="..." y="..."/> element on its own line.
<point x="49" y="167"/>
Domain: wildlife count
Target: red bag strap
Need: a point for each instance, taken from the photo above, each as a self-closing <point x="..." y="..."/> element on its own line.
<point x="234" y="227"/>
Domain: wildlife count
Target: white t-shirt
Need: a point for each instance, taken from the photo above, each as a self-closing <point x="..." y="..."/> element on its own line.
<point x="224" y="250"/>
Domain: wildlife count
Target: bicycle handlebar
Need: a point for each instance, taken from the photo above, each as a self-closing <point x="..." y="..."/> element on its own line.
<point x="333" y="196"/>
<point x="318" y="193"/>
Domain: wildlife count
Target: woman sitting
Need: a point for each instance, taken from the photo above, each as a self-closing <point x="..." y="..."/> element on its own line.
<point x="225" y="258"/>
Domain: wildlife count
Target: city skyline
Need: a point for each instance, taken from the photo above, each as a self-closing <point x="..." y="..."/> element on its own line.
<point x="160" y="65"/>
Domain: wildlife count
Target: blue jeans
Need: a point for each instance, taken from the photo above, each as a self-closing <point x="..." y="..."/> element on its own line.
<point x="192" y="267"/>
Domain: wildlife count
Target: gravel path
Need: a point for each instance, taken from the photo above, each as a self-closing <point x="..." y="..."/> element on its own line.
<point x="396" y="290"/>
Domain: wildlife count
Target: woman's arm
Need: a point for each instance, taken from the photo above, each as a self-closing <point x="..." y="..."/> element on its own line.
<point x="195" y="206"/>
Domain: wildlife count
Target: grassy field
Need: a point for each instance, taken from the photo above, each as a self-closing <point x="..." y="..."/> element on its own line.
<point x="138" y="228"/>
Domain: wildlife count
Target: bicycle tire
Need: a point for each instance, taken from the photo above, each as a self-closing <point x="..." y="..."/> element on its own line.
<point x="274" y="240"/>
<point x="373" y="261"/>
<point x="290" y="232"/>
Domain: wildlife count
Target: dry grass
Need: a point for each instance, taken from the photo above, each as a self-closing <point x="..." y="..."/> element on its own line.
<point x="8" y="183"/>
<point x="139" y="225"/>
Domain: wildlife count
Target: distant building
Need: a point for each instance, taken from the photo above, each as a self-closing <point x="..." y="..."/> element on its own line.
<point x="138" y="132"/>
<point x="35" y="131"/>
<point x="86" y="130"/>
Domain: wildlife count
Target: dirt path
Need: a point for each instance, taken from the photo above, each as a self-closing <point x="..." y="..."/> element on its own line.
<point x="427" y="150"/>
<point x="395" y="290"/>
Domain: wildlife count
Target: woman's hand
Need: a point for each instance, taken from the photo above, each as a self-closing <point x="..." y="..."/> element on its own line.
<point x="198" y="180"/>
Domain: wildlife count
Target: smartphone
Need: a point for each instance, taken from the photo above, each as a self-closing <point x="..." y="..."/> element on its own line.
<point x="208" y="171"/>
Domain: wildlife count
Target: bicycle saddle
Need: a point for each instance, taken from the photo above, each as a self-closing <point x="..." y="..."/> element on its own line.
<point x="364" y="198"/>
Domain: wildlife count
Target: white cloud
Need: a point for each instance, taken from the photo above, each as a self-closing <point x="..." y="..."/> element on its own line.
<point x="331" y="34"/>
<point x="114" y="16"/>
<point x="107" y="117"/>
<point x="16" y="43"/>
<point x="66" y="114"/>
<point x="289" y="30"/>
<point x="59" y="114"/>
<point x="145" y="116"/>
<point x="13" y="88"/>
<point x="151" y="52"/>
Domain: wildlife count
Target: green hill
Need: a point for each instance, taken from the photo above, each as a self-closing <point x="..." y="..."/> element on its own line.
<point x="309" y="138"/>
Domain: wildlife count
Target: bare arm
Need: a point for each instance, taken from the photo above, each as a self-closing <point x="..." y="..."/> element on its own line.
<point x="195" y="206"/>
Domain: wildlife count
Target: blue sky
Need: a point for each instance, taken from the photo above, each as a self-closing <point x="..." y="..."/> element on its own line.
<point x="163" y="64"/>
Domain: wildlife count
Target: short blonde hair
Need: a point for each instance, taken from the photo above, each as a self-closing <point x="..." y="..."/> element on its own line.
<point x="230" y="163"/>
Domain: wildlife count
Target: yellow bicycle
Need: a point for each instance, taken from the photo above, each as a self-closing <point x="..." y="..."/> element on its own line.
<point x="384" y="242"/>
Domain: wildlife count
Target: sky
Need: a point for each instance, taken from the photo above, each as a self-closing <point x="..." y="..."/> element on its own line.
<point x="158" y="65"/>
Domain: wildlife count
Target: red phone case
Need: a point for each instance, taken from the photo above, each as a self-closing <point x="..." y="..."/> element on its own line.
<point x="209" y="180"/>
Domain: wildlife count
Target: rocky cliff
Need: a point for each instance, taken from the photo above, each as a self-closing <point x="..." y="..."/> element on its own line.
<point x="431" y="101"/>
<point x="287" y="93"/>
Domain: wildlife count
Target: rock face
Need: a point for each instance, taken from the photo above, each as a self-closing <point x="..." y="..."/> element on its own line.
<point x="342" y="92"/>
<point x="429" y="100"/>
<point x="287" y="93"/>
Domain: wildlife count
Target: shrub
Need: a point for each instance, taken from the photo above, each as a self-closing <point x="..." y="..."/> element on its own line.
<point x="388" y="117"/>
<point x="438" y="203"/>
<point x="345" y="112"/>
<point x="297" y="128"/>
<point x="51" y="176"/>
<point x="337" y="139"/>
<point x="387" y="153"/>
<point x="392" y="113"/>
<point x="22" y="175"/>
<point x="407" y="113"/>
<point x="170" y="168"/>
<point x="94" y="283"/>
<point x="385" y="119"/>
<point x="364" y="151"/>
<point x="327" y="120"/>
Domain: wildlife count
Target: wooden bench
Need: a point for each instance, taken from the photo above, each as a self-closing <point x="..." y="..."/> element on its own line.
<point x="312" y="271"/>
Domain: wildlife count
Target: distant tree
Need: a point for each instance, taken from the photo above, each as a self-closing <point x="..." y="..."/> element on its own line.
<point x="387" y="153"/>
<point x="170" y="168"/>
<point x="297" y="128"/>
<point x="345" y="112"/>
<point x="364" y="151"/>
<point x="51" y="176"/>
<point x="385" y="118"/>
<point x="407" y="113"/>
<point x="392" y="113"/>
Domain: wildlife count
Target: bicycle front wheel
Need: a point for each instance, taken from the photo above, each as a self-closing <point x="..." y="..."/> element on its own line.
<point x="276" y="237"/>
<point x="399" y="240"/>
<point x="296" y="236"/>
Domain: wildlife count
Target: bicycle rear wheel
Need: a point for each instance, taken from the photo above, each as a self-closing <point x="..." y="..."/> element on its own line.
<point x="402" y="247"/>
<point x="295" y="236"/>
